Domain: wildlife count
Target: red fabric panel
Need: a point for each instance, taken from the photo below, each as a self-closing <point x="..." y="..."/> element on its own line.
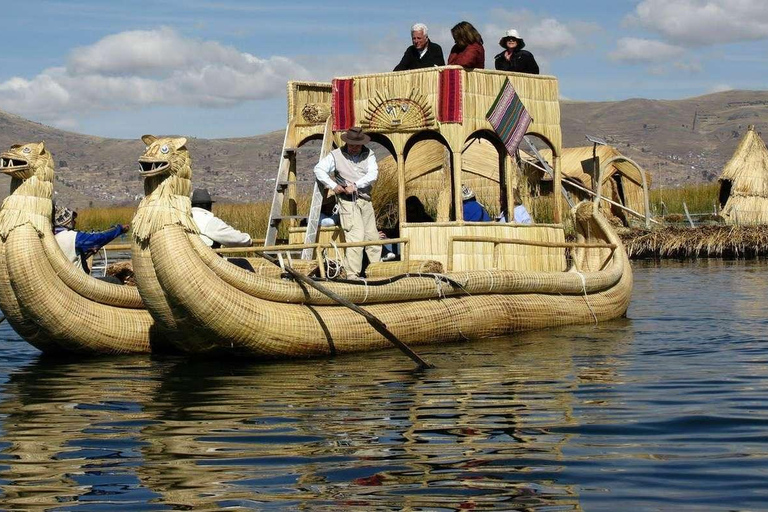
<point x="343" y="104"/>
<point x="449" y="108"/>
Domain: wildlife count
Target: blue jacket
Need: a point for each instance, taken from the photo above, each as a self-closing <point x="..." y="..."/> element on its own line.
<point x="474" y="212"/>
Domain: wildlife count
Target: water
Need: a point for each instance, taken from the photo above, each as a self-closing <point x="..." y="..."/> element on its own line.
<point x="667" y="409"/>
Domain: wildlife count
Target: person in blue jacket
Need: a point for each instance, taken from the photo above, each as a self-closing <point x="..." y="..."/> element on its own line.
<point x="473" y="211"/>
<point x="77" y="245"/>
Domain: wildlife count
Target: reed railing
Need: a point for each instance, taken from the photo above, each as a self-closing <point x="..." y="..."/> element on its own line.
<point x="498" y="242"/>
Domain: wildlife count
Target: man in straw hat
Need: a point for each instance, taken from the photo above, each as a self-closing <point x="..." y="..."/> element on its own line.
<point x="214" y="231"/>
<point x="514" y="58"/>
<point x="350" y="172"/>
<point x="76" y="245"/>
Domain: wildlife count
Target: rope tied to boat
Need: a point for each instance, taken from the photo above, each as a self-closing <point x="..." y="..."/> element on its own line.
<point x="490" y="273"/>
<point x="332" y="271"/>
<point x="586" y="298"/>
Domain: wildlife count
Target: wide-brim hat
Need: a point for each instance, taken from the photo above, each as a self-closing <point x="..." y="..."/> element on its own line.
<point x="509" y="34"/>
<point x="355" y="136"/>
<point x="63" y="217"/>
<point x="467" y="193"/>
<point x="201" y="196"/>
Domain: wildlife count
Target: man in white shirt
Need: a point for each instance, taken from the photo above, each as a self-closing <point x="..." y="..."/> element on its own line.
<point x="214" y="231"/>
<point x="350" y="172"/>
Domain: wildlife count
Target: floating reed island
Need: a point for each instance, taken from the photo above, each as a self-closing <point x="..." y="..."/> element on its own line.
<point x="743" y="216"/>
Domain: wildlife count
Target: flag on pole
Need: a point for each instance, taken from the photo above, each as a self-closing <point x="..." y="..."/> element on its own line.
<point x="509" y="118"/>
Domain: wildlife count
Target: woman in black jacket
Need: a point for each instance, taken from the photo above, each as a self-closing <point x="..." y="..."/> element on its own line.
<point x="514" y="58"/>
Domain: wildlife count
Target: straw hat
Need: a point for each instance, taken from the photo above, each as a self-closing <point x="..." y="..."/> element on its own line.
<point x="201" y="196"/>
<point x="510" y="34"/>
<point x="467" y="193"/>
<point x="63" y="217"/>
<point x="355" y="136"/>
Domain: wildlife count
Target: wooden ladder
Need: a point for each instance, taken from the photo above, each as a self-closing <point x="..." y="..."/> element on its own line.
<point x="285" y="189"/>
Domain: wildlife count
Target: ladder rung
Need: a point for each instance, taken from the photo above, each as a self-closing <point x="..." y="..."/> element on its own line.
<point x="278" y="218"/>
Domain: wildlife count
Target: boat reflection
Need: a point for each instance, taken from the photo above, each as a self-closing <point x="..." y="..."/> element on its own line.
<point x="354" y="432"/>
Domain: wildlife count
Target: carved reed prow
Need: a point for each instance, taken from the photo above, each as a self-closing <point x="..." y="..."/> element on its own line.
<point x="31" y="169"/>
<point x="167" y="171"/>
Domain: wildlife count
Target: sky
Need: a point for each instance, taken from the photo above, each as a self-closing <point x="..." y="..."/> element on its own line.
<point x="219" y="68"/>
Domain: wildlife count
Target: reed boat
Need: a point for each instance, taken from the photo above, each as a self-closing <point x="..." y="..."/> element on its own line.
<point x="48" y="302"/>
<point x="486" y="279"/>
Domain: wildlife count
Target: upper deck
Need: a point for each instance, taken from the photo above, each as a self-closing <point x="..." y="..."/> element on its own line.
<point x="450" y="101"/>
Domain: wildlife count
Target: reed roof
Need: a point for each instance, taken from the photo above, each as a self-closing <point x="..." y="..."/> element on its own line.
<point x="576" y="162"/>
<point x="748" y="167"/>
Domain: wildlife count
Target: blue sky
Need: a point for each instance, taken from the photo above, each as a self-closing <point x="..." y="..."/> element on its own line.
<point x="218" y="68"/>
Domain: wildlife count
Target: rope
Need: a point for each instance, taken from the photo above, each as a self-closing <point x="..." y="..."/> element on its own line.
<point x="586" y="298"/>
<point x="490" y="273"/>
<point x="365" y="281"/>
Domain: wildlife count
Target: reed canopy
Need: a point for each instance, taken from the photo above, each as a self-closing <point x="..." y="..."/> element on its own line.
<point x="744" y="182"/>
<point x="624" y="181"/>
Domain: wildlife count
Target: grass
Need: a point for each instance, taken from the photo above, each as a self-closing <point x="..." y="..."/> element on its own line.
<point x="700" y="198"/>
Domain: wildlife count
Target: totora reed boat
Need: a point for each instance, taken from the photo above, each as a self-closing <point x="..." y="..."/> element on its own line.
<point x="50" y="303"/>
<point x="486" y="279"/>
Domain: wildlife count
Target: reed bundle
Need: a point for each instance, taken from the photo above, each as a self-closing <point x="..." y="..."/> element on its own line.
<point x="745" y="181"/>
<point x="705" y="241"/>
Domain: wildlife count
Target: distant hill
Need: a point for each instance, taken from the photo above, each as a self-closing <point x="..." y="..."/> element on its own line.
<point x="678" y="141"/>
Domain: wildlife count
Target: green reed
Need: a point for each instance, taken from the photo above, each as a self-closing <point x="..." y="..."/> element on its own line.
<point x="699" y="198"/>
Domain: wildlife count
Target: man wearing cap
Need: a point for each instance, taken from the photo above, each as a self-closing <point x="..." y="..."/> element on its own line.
<point x="514" y="58"/>
<point x="76" y="245"/>
<point x="350" y="172"/>
<point x="423" y="53"/>
<point x="214" y="231"/>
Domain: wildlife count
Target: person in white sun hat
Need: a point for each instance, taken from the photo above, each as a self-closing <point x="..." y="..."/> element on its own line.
<point x="514" y="58"/>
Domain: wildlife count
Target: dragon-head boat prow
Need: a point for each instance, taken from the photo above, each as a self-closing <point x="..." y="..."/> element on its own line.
<point x="30" y="167"/>
<point x="167" y="171"/>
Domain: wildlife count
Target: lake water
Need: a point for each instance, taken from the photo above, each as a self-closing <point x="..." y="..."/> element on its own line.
<point x="664" y="410"/>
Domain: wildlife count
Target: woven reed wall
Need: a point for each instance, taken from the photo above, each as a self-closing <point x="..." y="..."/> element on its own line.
<point x="325" y="235"/>
<point x="309" y="105"/>
<point x="430" y="241"/>
<point x="539" y="93"/>
<point x="577" y="161"/>
<point x="748" y="171"/>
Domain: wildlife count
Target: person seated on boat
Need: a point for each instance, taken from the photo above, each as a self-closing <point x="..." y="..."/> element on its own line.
<point x="520" y="213"/>
<point x="423" y="53"/>
<point x="514" y="58"/>
<point x="351" y="171"/>
<point x="329" y="213"/>
<point x="389" y="252"/>
<point x="473" y="211"/>
<point x="468" y="50"/>
<point x="78" y="246"/>
<point x="214" y="231"/>
<point x="415" y="211"/>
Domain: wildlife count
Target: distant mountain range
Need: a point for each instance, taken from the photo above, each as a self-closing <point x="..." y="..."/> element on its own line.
<point x="678" y="141"/>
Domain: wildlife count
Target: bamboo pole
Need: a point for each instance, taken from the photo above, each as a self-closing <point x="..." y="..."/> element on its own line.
<point x="377" y="324"/>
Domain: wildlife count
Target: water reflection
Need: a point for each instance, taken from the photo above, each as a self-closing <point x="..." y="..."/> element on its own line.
<point x="667" y="407"/>
<point x="355" y="431"/>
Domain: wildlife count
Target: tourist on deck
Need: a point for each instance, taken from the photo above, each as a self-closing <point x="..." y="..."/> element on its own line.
<point x="473" y="211"/>
<point x="214" y="231"/>
<point x="351" y="171"/>
<point x="520" y="213"/>
<point x="423" y="53"/>
<point x="468" y="50"/>
<point x="514" y="58"/>
<point x="415" y="211"/>
<point x="76" y="245"/>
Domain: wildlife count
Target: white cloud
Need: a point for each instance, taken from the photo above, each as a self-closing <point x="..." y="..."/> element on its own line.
<point x="634" y="50"/>
<point x="147" y="68"/>
<point x="546" y="37"/>
<point x="703" y="22"/>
